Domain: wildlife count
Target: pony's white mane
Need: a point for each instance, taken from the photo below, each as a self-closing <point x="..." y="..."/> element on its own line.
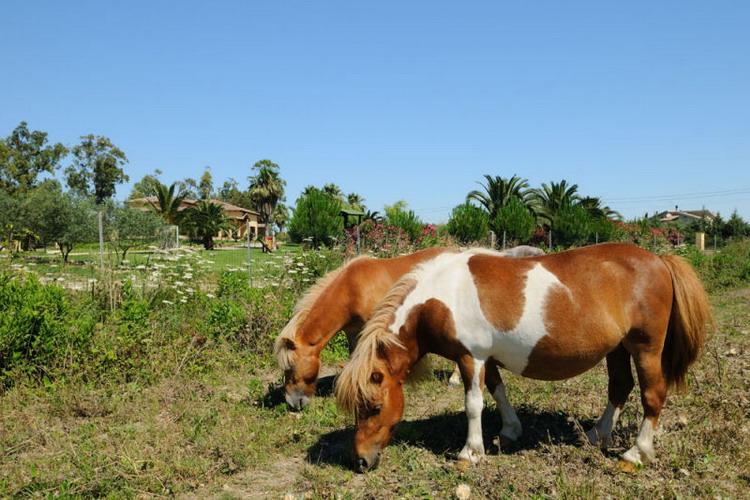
<point x="285" y="355"/>
<point x="354" y="388"/>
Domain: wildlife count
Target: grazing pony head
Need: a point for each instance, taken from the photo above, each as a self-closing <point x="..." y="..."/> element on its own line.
<point x="297" y="356"/>
<point x="371" y="384"/>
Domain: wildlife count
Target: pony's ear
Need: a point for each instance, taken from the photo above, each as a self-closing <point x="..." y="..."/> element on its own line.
<point x="289" y="344"/>
<point x="376" y="377"/>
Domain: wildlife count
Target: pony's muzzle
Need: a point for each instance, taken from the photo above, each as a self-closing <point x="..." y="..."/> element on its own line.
<point x="296" y="400"/>
<point x="363" y="464"/>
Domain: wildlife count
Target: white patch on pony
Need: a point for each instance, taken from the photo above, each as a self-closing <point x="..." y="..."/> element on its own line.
<point x="448" y="279"/>
<point x="643" y="451"/>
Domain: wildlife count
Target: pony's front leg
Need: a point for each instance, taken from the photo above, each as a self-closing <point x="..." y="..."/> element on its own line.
<point x="472" y="374"/>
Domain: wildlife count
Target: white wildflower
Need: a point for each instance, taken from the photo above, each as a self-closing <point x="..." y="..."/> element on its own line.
<point x="168" y="302"/>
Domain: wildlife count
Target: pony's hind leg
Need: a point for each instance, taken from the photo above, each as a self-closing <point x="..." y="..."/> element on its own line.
<point x="620" y="385"/>
<point x="472" y="374"/>
<point x="653" y="394"/>
<point x="511" y="424"/>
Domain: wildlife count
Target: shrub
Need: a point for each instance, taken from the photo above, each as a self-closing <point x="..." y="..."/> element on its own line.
<point x="515" y="220"/>
<point x="39" y="331"/>
<point x="572" y="226"/>
<point x="468" y="223"/>
<point x="399" y="217"/>
<point x="316" y="216"/>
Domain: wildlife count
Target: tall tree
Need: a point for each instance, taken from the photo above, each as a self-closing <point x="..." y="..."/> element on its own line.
<point x="231" y="193"/>
<point x="25" y="154"/>
<point x="266" y="189"/>
<point x="97" y="168"/>
<point x="497" y="192"/>
<point x="146" y="186"/>
<point x="206" y="185"/>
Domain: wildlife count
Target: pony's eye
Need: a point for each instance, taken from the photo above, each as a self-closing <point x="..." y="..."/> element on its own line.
<point x="375" y="410"/>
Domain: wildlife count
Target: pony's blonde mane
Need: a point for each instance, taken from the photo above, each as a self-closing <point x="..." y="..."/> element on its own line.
<point x="354" y="388"/>
<point x="284" y="355"/>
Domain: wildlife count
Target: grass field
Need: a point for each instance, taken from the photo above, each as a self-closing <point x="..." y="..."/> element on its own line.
<point x="84" y="262"/>
<point x="220" y="429"/>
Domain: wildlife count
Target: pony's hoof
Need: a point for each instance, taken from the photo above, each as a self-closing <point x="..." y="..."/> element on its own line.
<point x="471" y="455"/>
<point x="504" y="442"/>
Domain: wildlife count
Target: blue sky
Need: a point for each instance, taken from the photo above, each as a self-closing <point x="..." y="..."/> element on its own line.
<point x="637" y="102"/>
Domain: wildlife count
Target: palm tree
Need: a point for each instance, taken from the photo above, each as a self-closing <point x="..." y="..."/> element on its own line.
<point x="334" y="191"/>
<point x="355" y="201"/>
<point x="204" y="221"/>
<point x="498" y="191"/>
<point x="593" y="206"/>
<point x="549" y="199"/>
<point x="374" y="216"/>
<point x="167" y="203"/>
<point x="281" y="216"/>
<point x="266" y="190"/>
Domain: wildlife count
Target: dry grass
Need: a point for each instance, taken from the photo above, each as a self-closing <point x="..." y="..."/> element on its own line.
<point x="222" y="433"/>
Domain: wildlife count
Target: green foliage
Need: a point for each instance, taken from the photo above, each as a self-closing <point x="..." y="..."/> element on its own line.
<point x="39" y="330"/>
<point x="728" y="267"/>
<point x="24" y="155"/>
<point x="515" y="220"/>
<point x="398" y="216"/>
<point x="60" y="218"/>
<point x="468" y="223"/>
<point x="316" y="216"/>
<point x="572" y="226"/>
<point x="96" y="168"/>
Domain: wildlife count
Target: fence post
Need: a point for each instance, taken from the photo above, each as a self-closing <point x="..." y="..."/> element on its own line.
<point x="358" y="249"/>
<point x="101" y="241"/>
<point x="550" y="239"/>
<point x="504" y="240"/>
<point x="492" y="239"/>
<point x="249" y="257"/>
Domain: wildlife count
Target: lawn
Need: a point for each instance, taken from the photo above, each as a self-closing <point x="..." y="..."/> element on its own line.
<point x="218" y="428"/>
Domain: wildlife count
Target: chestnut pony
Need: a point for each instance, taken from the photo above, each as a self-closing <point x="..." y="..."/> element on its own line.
<point x="343" y="299"/>
<point x="547" y="318"/>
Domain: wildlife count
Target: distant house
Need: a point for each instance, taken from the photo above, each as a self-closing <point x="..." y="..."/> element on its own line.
<point x="685" y="217"/>
<point x="241" y="219"/>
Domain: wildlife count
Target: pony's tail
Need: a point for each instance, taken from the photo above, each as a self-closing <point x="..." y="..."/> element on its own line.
<point x="688" y="323"/>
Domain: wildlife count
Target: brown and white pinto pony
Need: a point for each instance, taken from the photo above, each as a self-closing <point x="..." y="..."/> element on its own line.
<point x="547" y="318"/>
<point x="343" y="299"/>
